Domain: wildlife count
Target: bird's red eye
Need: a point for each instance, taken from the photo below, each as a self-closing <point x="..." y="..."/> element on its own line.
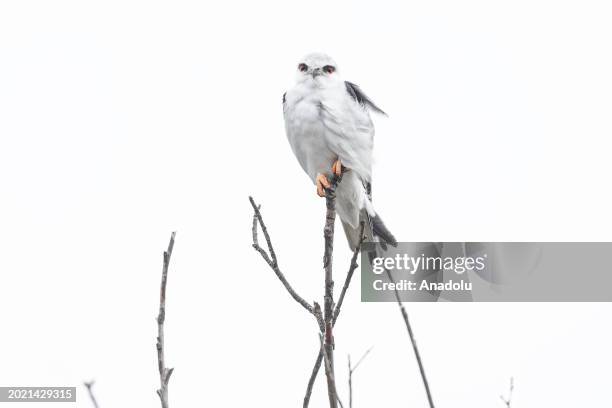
<point x="303" y="67"/>
<point x="329" y="69"/>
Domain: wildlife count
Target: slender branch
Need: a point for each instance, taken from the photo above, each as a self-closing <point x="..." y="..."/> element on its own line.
<point x="329" y="372"/>
<point x="350" y="382"/>
<point x="361" y="359"/>
<point x="412" y="340"/>
<point x="89" y="386"/>
<point x="313" y="377"/>
<point x="351" y="370"/>
<point x="349" y="275"/>
<point x="164" y="373"/>
<point x="336" y="312"/>
<point x="339" y="401"/>
<point x="328" y="300"/>
<point x="326" y="318"/>
<point x="271" y="258"/>
<point x="317" y="366"/>
<point x="508" y="401"/>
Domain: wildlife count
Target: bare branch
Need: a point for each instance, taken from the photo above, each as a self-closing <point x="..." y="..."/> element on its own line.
<point x="271" y="259"/>
<point x="328" y="299"/>
<point x="350" y="382"/>
<point x="164" y="373"/>
<point x="329" y="372"/>
<point x="349" y="275"/>
<point x="361" y="359"/>
<point x="351" y="370"/>
<point x="89" y="386"/>
<point x="339" y="401"/>
<point x="313" y="377"/>
<point x="412" y="340"/>
<point x="508" y="401"/>
<point x="326" y="318"/>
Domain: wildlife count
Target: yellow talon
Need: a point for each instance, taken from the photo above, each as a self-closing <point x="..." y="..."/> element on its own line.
<point x="337" y="167"/>
<point x="322" y="184"/>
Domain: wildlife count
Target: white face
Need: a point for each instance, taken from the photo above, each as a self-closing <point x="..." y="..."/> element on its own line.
<point x="318" y="69"/>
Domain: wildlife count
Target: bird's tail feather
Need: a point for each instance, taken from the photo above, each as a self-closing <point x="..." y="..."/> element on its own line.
<point x="374" y="231"/>
<point x="380" y="230"/>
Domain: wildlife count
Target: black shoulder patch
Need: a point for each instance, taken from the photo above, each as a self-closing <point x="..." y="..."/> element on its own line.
<point x="284" y="97"/>
<point x="361" y="98"/>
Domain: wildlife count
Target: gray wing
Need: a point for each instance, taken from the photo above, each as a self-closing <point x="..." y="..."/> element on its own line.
<point x="349" y="128"/>
<point x="361" y="98"/>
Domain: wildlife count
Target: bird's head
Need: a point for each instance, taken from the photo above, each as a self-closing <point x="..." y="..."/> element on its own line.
<point x="318" y="69"/>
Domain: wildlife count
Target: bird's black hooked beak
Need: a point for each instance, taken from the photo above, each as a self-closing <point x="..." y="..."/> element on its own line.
<point x="316" y="72"/>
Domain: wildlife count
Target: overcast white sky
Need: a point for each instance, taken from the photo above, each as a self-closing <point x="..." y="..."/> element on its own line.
<point x="121" y="121"/>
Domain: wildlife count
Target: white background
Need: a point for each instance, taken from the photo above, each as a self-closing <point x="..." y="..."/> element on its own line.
<point x="123" y="121"/>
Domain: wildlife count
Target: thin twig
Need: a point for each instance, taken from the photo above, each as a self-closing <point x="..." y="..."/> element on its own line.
<point x="351" y="370"/>
<point x="272" y="261"/>
<point x="349" y="275"/>
<point x="271" y="258"/>
<point x="329" y="372"/>
<point x="328" y="300"/>
<point x="350" y="382"/>
<point x="508" y="401"/>
<point x="331" y="195"/>
<point x="313" y="377"/>
<point x="89" y="385"/>
<point x="362" y="358"/>
<point x="317" y="365"/>
<point x="412" y="340"/>
<point x="164" y="373"/>
<point x="326" y="318"/>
